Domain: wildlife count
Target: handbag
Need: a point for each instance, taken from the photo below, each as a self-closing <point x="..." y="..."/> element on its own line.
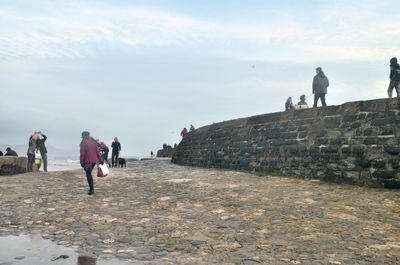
<point x="102" y="171"/>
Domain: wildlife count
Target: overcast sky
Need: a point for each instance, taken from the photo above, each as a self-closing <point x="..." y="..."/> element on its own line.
<point x="142" y="70"/>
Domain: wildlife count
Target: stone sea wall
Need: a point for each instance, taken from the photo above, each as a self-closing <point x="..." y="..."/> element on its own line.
<point x="356" y="143"/>
<point x="10" y="165"/>
<point x="167" y="152"/>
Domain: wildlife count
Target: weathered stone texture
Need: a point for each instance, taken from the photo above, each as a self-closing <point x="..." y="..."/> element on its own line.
<point x="356" y="143"/>
<point x="10" y="165"/>
<point x="167" y="152"/>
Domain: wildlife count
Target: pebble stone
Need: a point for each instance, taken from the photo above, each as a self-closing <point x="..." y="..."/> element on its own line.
<point x="155" y="212"/>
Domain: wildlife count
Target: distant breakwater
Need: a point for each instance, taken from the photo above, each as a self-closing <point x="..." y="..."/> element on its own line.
<point x="356" y="143"/>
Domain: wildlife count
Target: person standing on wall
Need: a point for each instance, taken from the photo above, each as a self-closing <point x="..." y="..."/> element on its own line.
<point x="394" y="77"/>
<point x="42" y="148"/>
<point x="116" y="148"/>
<point x="320" y="87"/>
<point x="89" y="156"/>
<point x="184" y="132"/>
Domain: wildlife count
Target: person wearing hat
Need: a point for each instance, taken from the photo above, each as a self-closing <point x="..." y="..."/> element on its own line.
<point x="319" y="87"/>
<point x="89" y="157"/>
<point x="394" y="77"/>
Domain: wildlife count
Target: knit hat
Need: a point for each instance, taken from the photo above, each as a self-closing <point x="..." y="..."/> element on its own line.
<point x="318" y="69"/>
<point x="85" y="134"/>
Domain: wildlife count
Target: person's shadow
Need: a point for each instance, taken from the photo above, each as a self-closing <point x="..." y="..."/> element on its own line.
<point x="86" y="261"/>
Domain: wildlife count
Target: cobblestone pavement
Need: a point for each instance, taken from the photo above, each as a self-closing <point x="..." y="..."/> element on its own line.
<point x="155" y="212"/>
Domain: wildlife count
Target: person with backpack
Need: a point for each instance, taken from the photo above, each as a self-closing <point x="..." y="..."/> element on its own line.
<point x="394" y="77"/>
<point x="319" y="87"/>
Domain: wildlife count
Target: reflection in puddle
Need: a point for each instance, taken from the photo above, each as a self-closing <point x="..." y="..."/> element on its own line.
<point x="24" y="250"/>
<point x="86" y="261"/>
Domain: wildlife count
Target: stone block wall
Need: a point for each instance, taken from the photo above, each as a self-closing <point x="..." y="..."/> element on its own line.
<point x="167" y="152"/>
<point x="10" y="165"/>
<point x="356" y="143"/>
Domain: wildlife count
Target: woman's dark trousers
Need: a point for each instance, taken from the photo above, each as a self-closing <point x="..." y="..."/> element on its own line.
<point x="88" y="170"/>
<point x="114" y="158"/>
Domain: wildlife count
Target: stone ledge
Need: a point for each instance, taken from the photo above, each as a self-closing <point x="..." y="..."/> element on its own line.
<point x="336" y="143"/>
<point x="10" y="165"/>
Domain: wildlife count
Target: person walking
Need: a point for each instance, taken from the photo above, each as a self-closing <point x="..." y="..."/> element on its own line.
<point x="42" y="148"/>
<point x="394" y="77"/>
<point x="320" y="87"/>
<point x="115" y="149"/>
<point x="104" y="152"/>
<point x="89" y="156"/>
<point x="31" y="151"/>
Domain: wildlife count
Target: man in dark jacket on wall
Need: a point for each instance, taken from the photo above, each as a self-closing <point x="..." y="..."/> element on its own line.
<point x="394" y="77"/>
<point x="89" y="156"/>
<point x="320" y="86"/>
<point x="116" y="148"/>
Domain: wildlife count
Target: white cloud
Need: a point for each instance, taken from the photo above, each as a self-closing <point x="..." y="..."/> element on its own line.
<point x="80" y="30"/>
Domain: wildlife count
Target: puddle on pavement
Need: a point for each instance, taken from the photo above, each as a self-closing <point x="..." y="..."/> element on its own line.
<point x="24" y="249"/>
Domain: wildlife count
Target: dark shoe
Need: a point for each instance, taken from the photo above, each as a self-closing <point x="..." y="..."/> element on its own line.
<point x="91" y="192"/>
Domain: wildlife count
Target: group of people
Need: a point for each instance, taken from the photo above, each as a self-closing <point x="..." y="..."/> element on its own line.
<point x="321" y="83"/>
<point x="36" y="148"/>
<point x="319" y="89"/>
<point x="94" y="152"/>
<point x="301" y="105"/>
<point x="185" y="132"/>
<point x="115" y="150"/>
<point x="9" y="152"/>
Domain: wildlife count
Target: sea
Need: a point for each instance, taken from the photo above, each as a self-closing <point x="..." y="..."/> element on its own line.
<point x="71" y="162"/>
<point x="63" y="163"/>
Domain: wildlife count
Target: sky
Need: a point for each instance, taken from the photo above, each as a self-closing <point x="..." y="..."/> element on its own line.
<point x="143" y="70"/>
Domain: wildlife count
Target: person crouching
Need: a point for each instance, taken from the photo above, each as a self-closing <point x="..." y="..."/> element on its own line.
<point x="89" y="156"/>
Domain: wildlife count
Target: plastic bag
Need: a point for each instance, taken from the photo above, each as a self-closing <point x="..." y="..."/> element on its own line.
<point x="102" y="171"/>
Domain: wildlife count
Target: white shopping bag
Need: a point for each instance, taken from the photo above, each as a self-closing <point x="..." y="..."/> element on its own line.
<point x="102" y="170"/>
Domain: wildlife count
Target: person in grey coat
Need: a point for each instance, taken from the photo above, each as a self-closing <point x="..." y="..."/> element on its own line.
<point x="319" y="87"/>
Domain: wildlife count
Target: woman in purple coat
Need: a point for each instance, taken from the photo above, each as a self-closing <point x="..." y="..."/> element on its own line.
<point x="90" y="156"/>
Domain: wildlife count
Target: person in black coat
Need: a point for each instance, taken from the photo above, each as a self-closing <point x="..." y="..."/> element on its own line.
<point x="10" y="152"/>
<point x="116" y="148"/>
<point x="394" y="77"/>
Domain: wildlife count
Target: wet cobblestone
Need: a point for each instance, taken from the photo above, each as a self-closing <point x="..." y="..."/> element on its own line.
<point x="155" y="212"/>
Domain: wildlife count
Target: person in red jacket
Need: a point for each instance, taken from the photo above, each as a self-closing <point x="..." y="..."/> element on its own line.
<point x="90" y="156"/>
<point x="184" y="132"/>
